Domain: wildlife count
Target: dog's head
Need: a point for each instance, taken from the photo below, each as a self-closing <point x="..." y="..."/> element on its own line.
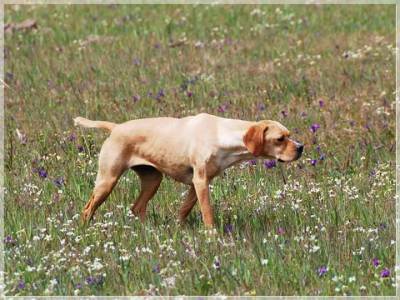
<point x="270" y="139"/>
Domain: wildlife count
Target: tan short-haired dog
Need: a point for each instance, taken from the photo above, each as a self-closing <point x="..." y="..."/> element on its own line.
<point x="192" y="150"/>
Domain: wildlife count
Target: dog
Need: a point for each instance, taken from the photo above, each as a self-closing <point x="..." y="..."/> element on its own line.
<point x="192" y="150"/>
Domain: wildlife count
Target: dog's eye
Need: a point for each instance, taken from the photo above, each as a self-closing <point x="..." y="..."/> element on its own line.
<point x="281" y="139"/>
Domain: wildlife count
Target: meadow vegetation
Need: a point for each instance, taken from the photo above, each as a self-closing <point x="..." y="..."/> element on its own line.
<point x="324" y="225"/>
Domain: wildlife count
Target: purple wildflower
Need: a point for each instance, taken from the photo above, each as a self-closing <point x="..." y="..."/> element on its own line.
<point x="375" y="262"/>
<point x="72" y="137"/>
<point x="284" y="113"/>
<point x="9" y="240"/>
<point x="156" y="268"/>
<point x="90" y="280"/>
<point x="223" y="108"/>
<point x="261" y="106"/>
<point x="281" y="231"/>
<point x="313" y="162"/>
<point x="217" y="263"/>
<point x="321" y="103"/>
<point x="42" y="172"/>
<point x="160" y="94"/>
<point x="382" y="226"/>
<point x="80" y="148"/>
<point x="228" y="228"/>
<point x="59" y="182"/>
<point x="136" y="62"/>
<point x="98" y="280"/>
<point x="21" y="285"/>
<point x="322" y="270"/>
<point x="252" y="162"/>
<point x="314" y="127"/>
<point x="189" y="94"/>
<point x="136" y="98"/>
<point x="385" y="273"/>
<point x="78" y="286"/>
<point x="269" y="164"/>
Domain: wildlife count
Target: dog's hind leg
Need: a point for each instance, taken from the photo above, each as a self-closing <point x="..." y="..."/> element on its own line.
<point x="111" y="167"/>
<point x="150" y="180"/>
<point x="189" y="203"/>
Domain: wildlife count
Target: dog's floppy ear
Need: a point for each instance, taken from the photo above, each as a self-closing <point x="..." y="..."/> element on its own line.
<point x="254" y="138"/>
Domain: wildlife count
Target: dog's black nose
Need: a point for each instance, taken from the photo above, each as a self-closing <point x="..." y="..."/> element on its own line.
<point x="300" y="149"/>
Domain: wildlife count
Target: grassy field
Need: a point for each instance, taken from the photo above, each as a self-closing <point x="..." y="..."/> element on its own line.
<point x="326" y="72"/>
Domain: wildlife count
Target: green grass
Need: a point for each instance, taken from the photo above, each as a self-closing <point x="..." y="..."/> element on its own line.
<point x="338" y="214"/>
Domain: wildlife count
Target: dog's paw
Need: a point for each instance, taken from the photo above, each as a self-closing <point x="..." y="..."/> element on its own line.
<point x="77" y="121"/>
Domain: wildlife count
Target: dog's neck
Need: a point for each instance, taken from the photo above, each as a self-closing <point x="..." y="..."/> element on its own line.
<point x="233" y="147"/>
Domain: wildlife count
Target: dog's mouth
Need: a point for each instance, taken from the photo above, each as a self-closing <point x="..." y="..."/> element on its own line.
<point x="280" y="160"/>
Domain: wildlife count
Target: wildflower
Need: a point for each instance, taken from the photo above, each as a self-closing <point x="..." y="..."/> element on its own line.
<point x="21" y="285"/>
<point x="90" y="280"/>
<point x="375" y="262"/>
<point x="80" y="148"/>
<point x="72" y="137"/>
<point x="9" y="240"/>
<point x="385" y="273"/>
<point x="53" y="282"/>
<point x="217" y="263"/>
<point x="313" y="162"/>
<point x="98" y="280"/>
<point x="284" y="113"/>
<point x="382" y="226"/>
<point x="281" y="231"/>
<point x="252" y="162"/>
<point x="321" y="103"/>
<point x="314" y="127"/>
<point x="169" y="282"/>
<point x="136" y="62"/>
<point x="322" y="270"/>
<point x="78" y="286"/>
<point x="156" y="268"/>
<point x="228" y="228"/>
<point x="261" y="106"/>
<point x="42" y="172"/>
<point x="97" y="265"/>
<point x="136" y="98"/>
<point x="264" y="262"/>
<point x="160" y="94"/>
<point x="189" y="94"/>
<point x="352" y="279"/>
<point x="59" y="182"/>
<point x="223" y="108"/>
<point x="269" y="164"/>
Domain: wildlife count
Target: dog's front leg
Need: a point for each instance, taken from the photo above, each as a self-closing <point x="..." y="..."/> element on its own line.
<point x="201" y="182"/>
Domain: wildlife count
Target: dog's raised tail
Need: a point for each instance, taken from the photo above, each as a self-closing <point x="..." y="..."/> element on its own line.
<point x="79" y="121"/>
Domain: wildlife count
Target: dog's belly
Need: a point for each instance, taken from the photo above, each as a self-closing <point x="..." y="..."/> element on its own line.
<point x="181" y="173"/>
